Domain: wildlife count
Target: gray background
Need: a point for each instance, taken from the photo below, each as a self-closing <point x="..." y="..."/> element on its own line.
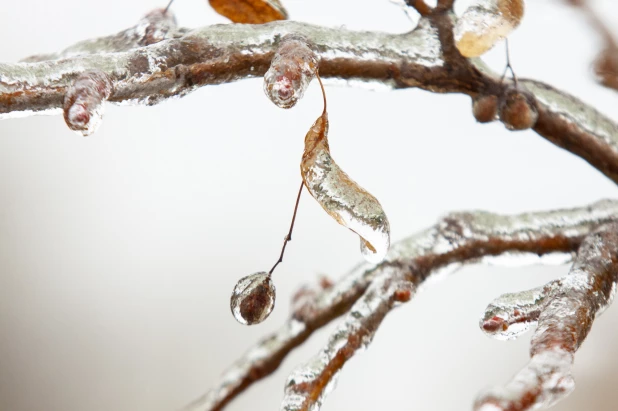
<point x="118" y="252"/>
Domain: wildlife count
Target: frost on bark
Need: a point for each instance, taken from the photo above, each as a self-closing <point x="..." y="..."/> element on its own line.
<point x="155" y="60"/>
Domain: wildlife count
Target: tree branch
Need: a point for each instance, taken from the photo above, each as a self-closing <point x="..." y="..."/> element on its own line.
<point x="426" y="58"/>
<point x="369" y="293"/>
<point x="565" y="310"/>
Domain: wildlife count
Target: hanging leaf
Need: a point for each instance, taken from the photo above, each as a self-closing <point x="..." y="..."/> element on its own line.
<point x="342" y="198"/>
<point x="250" y="11"/>
<point x="485" y="23"/>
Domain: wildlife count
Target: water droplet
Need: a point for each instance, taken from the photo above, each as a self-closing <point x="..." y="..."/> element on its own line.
<point x="253" y="298"/>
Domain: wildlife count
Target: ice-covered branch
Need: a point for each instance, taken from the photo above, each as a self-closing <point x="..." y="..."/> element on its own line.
<point x="565" y="310"/>
<point x="369" y="292"/>
<point x="156" y="26"/>
<point x="154" y="61"/>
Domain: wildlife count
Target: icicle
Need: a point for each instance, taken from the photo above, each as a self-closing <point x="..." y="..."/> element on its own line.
<point x="485" y="23"/>
<point x="83" y="102"/>
<point x="291" y="70"/>
<point x="253" y="298"/>
<point x="342" y="198"/>
<point x="250" y="11"/>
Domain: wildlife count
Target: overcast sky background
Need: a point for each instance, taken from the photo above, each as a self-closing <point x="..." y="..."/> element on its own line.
<point x="118" y="252"/>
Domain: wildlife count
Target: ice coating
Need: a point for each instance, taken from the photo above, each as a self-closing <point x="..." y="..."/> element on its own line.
<point x="156" y="26"/>
<point x="209" y="55"/>
<point x="253" y="298"/>
<point x="291" y="70"/>
<point x="543" y="382"/>
<point x="254" y="364"/>
<point x="510" y="315"/>
<point x="456" y="239"/>
<point x="342" y="198"/>
<point x="485" y="23"/>
<point x="83" y="103"/>
<point x="566" y="309"/>
<point x="309" y="384"/>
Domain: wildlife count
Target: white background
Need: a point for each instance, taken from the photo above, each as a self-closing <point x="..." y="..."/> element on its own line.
<point x="118" y="252"/>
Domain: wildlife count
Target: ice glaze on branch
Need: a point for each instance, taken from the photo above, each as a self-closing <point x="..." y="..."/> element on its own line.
<point x="425" y="57"/>
<point x="455" y="239"/>
<point x="565" y="310"/>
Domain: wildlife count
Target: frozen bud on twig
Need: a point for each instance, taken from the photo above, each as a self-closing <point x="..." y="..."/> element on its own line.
<point x="250" y="11"/>
<point x="342" y="198"/>
<point x="291" y="70"/>
<point x="485" y="108"/>
<point x="485" y="23"/>
<point x="83" y="102"/>
<point x="518" y="109"/>
<point x="253" y="298"/>
<point x="510" y="315"/>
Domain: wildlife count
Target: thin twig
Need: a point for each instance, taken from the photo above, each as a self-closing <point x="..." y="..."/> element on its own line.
<point x="288" y="236"/>
<point x="508" y="63"/>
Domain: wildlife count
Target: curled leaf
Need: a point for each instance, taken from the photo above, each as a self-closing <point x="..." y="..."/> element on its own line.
<point x="291" y="70"/>
<point x="485" y="23"/>
<point x="342" y="198"/>
<point x="250" y="11"/>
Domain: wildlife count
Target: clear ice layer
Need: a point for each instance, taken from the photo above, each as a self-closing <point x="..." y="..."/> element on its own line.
<point x="291" y="70"/>
<point x="253" y="298"/>
<point x="341" y="197"/>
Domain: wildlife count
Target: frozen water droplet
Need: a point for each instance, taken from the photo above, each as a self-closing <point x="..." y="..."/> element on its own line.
<point x="291" y="70"/>
<point x="253" y="298"/>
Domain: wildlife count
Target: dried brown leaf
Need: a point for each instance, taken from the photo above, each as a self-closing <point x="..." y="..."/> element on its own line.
<point x="340" y="196"/>
<point x="250" y="11"/>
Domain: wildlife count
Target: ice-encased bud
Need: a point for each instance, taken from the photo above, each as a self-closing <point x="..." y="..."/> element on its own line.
<point x="253" y="298"/>
<point x="485" y="23"/>
<point x="291" y="70"/>
<point x="83" y="102"/>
